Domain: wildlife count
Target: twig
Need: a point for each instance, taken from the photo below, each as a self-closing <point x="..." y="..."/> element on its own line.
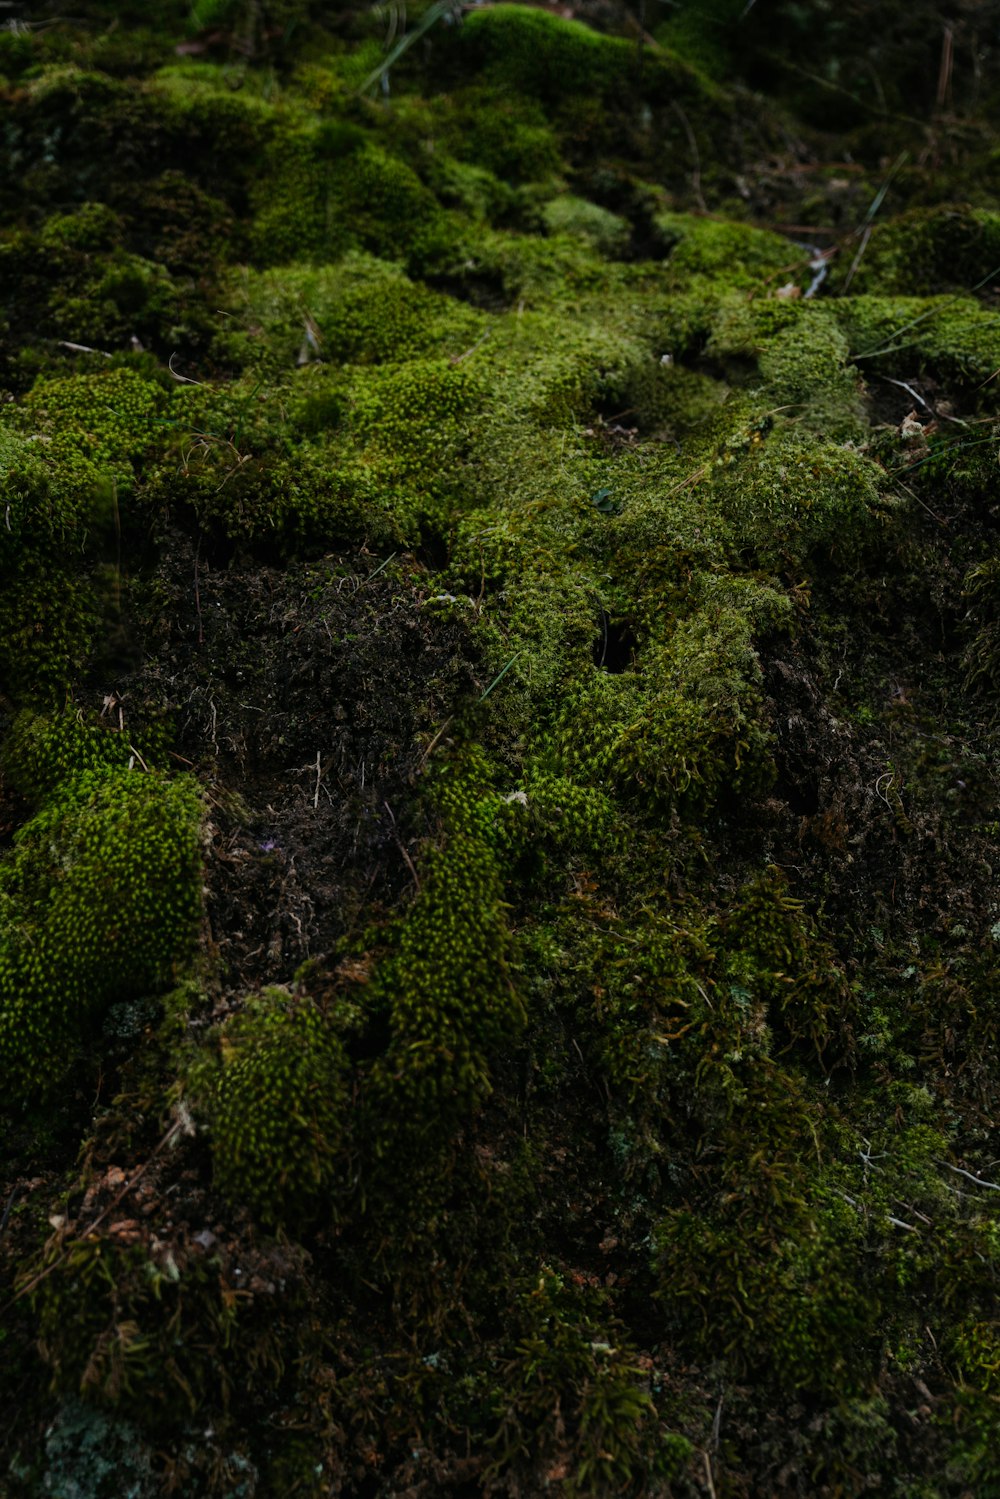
<point x="947" y="63"/>
<point x="430" y="748"/>
<point x="402" y="849"/>
<point x="457" y="358"/>
<point x="992" y="1186"/>
<point x="64" y="343"/>
<point x="696" y="158"/>
<point x="319" y="774"/>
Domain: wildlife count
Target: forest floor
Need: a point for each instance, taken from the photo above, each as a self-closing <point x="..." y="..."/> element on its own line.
<point x="499" y="766"/>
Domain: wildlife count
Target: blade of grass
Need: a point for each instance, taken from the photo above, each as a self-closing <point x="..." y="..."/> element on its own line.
<point x="500" y="676"/>
<point x="431" y="15"/>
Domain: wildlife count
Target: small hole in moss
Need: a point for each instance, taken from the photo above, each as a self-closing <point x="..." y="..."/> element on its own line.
<point x="615" y="646"/>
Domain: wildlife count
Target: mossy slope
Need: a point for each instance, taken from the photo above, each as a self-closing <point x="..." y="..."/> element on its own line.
<point x="498" y="772"/>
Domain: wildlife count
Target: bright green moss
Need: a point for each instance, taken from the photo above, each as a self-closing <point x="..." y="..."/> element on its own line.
<point x="953" y="337"/>
<point x="734" y="256"/>
<point x="360" y="311"/>
<point x="279" y="1111"/>
<point x="448" y="985"/>
<point x="103" y="889"/>
<point x="39" y="753"/>
<point x="92" y="429"/>
<point x="529" y="51"/>
<point x="802" y="359"/>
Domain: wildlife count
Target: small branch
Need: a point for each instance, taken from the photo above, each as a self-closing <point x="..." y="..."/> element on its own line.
<point x="991" y="1186"/>
<point x="402" y="850"/>
<point x="458" y="358"/>
<point x="695" y="156"/>
<point x="64" y="343"/>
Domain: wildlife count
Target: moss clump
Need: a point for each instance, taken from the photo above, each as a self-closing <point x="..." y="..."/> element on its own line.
<point x="733" y="256"/>
<point x="952" y="336"/>
<point x="448" y="986"/>
<point x="40" y="752"/>
<point x="927" y="251"/>
<point x="789" y="499"/>
<point x="316" y="205"/>
<point x="682" y="726"/>
<point x="102" y="894"/>
<point x="776" y="952"/>
<point x="802" y="359"/>
<point x="279" y="1110"/>
<point x="607" y="232"/>
<point x="797" y="1305"/>
<point x="575" y="1386"/>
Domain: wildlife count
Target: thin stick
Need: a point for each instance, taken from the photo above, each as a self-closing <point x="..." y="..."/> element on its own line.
<point x="696" y="158"/>
<point x="197" y="595"/>
<point x="992" y="1186"/>
<point x="402" y="849"/>
<point x="64" y="343"/>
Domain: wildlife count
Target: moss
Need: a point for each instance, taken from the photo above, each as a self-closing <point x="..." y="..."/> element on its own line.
<point x="527" y="51"/>
<point x="51" y="616"/>
<point x="448" y="985"/>
<point x="607" y="232"/>
<point x="736" y="256"/>
<point x="790" y="499"/>
<point x="361" y="311"/>
<point x="102" y="890"/>
<point x="686" y="723"/>
<point x="928" y="251"/>
<point x="502" y="133"/>
<point x="314" y="206"/>
<point x="574" y="1382"/>
<point x="120" y="1352"/>
<point x="279" y="1111"/>
<point x="953" y="336"/>
<point x="803" y="361"/>
<point x="41" y="752"/>
<point x="777" y="953"/>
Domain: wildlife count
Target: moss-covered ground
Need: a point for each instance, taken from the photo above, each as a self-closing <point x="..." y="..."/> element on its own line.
<point x="499" y="761"/>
